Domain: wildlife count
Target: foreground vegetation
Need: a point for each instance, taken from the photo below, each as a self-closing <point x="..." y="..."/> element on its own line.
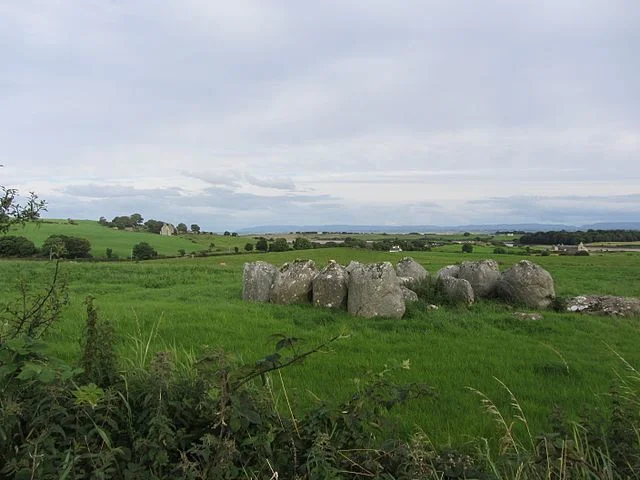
<point x="327" y="417"/>
<point x="196" y="302"/>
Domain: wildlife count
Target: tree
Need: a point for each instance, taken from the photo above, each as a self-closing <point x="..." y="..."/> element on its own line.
<point x="279" y="245"/>
<point x="301" y="243"/>
<point x="467" y="248"/>
<point x="122" y="222"/>
<point x="11" y="246"/>
<point x="103" y="221"/>
<point x="143" y="251"/>
<point x="234" y="234"/>
<point x="136" y="219"/>
<point x="249" y="247"/>
<point x="12" y="213"/>
<point x="153" y="226"/>
<point x="227" y="233"/>
<point x="63" y="246"/>
<point x="109" y="253"/>
<point x="236" y="249"/>
<point x="262" y="245"/>
<point x="195" y="228"/>
<point x="181" y="227"/>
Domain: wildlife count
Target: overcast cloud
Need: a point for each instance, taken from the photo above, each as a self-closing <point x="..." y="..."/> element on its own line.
<point x="240" y="113"/>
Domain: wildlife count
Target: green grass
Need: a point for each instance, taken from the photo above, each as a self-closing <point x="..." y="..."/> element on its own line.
<point x="121" y="242"/>
<point x="197" y="302"/>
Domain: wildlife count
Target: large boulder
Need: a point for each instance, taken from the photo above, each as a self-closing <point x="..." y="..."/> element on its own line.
<point x="409" y="295"/>
<point x="449" y="271"/>
<point x="374" y="291"/>
<point x="257" y="279"/>
<point x="410" y="272"/>
<point x="456" y="290"/>
<point x="527" y="283"/>
<point x="483" y="276"/>
<point x="604" y="305"/>
<point x="294" y="282"/>
<point x="330" y="286"/>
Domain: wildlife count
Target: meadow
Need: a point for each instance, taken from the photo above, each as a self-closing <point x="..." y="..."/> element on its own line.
<point x="121" y="242"/>
<point x="566" y="360"/>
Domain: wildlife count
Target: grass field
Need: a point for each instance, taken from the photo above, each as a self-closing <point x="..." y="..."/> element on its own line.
<point x="563" y="360"/>
<point x="121" y="242"/>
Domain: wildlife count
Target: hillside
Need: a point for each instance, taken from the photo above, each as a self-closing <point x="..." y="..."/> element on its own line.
<point x="122" y="241"/>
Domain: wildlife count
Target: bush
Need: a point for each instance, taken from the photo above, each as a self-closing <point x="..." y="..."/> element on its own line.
<point x="499" y="251"/>
<point x="143" y="251"/>
<point x="262" y="245"/>
<point x="248" y="247"/>
<point x="279" y="245"/>
<point x="13" y="246"/>
<point x="63" y="246"/>
<point x="301" y="243"/>
<point x="545" y="253"/>
<point x="467" y="248"/>
<point x="582" y="253"/>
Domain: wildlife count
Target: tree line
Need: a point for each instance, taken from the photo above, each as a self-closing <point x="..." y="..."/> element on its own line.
<point x="574" y="238"/>
<point x="135" y="221"/>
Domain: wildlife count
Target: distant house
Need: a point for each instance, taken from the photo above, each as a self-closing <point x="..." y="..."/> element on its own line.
<point x="570" y="249"/>
<point x="168" y="230"/>
<point x="395" y="249"/>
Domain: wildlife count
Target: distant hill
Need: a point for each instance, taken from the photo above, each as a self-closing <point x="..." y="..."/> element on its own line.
<point x="121" y="241"/>
<point x="479" y="228"/>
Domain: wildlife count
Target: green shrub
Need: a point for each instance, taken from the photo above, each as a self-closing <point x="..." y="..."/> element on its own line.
<point x="143" y="251"/>
<point x="64" y="246"/>
<point x="499" y="251"/>
<point x="12" y="246"/>
<point x="467" y="248"/>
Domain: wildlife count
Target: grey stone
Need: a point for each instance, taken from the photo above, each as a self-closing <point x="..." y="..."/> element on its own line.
<point x="527" y="283"/>
<point x="527" y="315"/>
<point x="330" y="286"/>
<point x="456" y="290"/>
<point x="408" y="295"/>
<point x="483" y="276"/>
<point x="604" y="305"/>
<point x="257" y="279"/>
<point x="448" y="271"/>
<point x="410" y="272"/>
<point x="374" y="291"/>
<point x="294" y="282"/>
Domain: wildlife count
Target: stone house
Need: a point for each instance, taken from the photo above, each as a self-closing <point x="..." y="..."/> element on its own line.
<point x="168" y="230"/>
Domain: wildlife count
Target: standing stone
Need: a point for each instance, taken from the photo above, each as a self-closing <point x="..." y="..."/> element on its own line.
<point x="448" y="271"/>
<point x="409" y="295"/>
<point x="411" y="272"/>
<point x="527" y="283"/>
<point x="374" y="291"/>
<point x="330" y="286"/>
<point x="482" y="275"/>
<point x="257" y="278"/>
<point x="456" y="290"/>
<point x="294" y="283"/>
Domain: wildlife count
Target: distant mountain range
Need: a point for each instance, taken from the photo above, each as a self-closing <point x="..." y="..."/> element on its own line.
<point x="491" y="228"/>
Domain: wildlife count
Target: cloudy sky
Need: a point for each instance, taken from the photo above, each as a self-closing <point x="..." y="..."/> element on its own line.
<point x="238" y="113"/>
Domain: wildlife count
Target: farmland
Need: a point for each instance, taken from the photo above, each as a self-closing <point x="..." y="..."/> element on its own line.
<point x="564" y="360"/>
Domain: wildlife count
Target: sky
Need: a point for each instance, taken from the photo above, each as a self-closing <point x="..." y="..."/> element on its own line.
<point x="233" y="114"/>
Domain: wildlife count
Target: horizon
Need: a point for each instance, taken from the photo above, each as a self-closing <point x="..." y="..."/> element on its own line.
<point x="235" y="114"/>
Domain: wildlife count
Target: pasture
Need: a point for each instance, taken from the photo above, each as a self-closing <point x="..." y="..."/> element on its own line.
<point x="564" y="360"/>
<point x="121" y="242"/>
